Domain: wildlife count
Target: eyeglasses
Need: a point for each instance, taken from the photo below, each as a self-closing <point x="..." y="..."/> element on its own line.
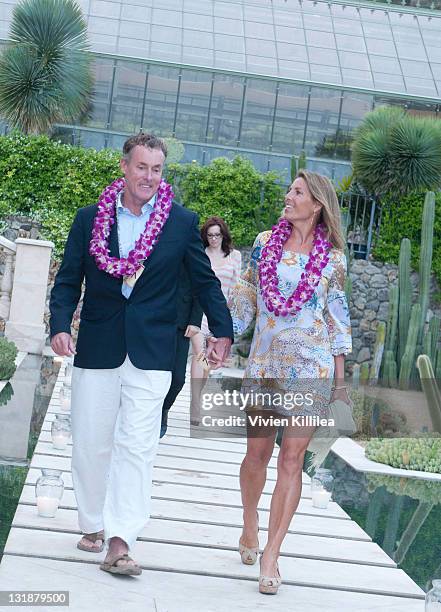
<point x="214" y="235"/>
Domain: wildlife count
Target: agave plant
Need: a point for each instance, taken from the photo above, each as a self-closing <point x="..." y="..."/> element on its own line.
<point x="45" y="70"/>
<point x="394" y="152"/>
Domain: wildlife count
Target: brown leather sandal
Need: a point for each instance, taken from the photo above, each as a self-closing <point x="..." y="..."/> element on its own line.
<point x="127" y="570"/>
<point x="92" y="537"/>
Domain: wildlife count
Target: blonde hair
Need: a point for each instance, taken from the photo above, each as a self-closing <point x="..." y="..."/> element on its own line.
<point x="323" y="192"/>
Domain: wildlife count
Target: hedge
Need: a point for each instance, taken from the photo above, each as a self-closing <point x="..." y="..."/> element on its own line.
<point x="402" y="219"/>
<point x="49" y="181"/>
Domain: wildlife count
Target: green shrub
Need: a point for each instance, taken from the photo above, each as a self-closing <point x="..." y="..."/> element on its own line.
<point x="8" y="353"/>
<point x="49" y="181"/>
<point x="402" y="219"/>
<point x="246" y="199"/>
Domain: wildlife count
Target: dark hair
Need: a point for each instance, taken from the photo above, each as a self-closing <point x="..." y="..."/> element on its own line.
<point x="150" y="141"/>
<point x="227" y="243"/>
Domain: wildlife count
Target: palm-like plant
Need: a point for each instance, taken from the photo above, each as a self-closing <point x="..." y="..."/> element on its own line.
<point x="45" y="71"/>
<point x="394" y="152"/>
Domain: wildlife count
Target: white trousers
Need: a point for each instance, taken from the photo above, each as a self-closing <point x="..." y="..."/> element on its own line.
<point x="116" y="421"/>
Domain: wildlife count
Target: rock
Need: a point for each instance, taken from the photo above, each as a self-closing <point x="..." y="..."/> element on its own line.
<point x="364" y="355"/>
<point x="383" y="295"/>
<point x="369" y="315"/>
<point x="365" y="325"/>
<point x="378" y="280"/>
<point x="372" y="305"/>
<point x="360" y="303"/>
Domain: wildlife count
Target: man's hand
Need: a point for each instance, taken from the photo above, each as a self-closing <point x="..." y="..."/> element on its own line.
<point x="218" y="351"/>
<point x="63" y="345"/>
<point x="191" y="331"/>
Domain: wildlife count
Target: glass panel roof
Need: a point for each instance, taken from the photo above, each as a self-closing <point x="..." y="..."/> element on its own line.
<point x="349" y="44"/>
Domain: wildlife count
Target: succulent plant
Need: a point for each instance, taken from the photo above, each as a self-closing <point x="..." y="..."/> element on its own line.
<point x="421" y="453"/>
<point x="431" y="390"/>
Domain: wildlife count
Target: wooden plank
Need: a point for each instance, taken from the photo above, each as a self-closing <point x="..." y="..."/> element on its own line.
<point x="211" y="497"/>
<point x="182" y="452"/>
<point x="194" y="479"/>
<point x="181" y="592"/>
<point x="217" y="536"/>
<point x="215" y="562"/>
<point x="223" y="515"/>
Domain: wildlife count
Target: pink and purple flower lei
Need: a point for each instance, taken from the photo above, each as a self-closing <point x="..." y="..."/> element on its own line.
<point x="105" y="218"/>
<point x="272" y="254"/>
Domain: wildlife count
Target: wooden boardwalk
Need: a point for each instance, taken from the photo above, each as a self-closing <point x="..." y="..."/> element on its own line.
<point x="189" y="548"/>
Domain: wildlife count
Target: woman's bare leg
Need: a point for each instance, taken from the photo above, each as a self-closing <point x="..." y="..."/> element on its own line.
<point x="198" y="377"/>
<point x="286" y="495"/>
<point x="252" y="480"/>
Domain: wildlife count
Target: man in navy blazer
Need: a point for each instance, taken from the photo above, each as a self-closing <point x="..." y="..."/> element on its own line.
<point x="125" y="350"/>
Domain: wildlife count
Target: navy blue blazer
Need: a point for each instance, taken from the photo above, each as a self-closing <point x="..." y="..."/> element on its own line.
<point x="143" y="326"/>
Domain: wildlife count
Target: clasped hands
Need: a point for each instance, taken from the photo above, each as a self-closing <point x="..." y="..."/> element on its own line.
<point x="217" y="351"/>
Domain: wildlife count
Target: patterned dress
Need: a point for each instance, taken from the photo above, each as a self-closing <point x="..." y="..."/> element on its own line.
<point x="299" y="349"/>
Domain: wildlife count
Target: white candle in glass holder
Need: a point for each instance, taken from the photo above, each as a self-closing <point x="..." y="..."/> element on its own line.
<point x="65" y="399"/>
<point x="60" y="440"/>
<point x="320" y="498"/>
<point x="47" y="506"/>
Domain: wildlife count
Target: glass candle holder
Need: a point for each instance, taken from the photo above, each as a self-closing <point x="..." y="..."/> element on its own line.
<point x="321" y="488"/>
<point x="60" y="431"/>
<point x="433" y="597"/>
<point x="49" y="491"/>
<point x="65" y="398"/>
<point x="68" y="372"/>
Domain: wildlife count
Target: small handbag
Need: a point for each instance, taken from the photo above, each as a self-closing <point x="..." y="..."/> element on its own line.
<point x="325" y="435"/>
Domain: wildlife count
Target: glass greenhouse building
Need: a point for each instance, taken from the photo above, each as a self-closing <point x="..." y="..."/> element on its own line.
<point x="263" y="78"/>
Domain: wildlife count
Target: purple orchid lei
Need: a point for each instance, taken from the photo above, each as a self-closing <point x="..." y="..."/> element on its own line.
<point x="105" y="218"/>
<point x="272" y="254"/>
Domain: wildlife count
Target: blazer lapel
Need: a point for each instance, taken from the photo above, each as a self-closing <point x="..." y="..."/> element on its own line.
<point x="113" y="240"/>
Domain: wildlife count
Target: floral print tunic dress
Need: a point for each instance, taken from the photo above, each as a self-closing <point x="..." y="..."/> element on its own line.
<point x="297" y="347"/>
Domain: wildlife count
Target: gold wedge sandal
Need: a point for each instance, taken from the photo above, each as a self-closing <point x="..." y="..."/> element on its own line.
<point x="249" y="555"/>
<point x="269" y="585"/>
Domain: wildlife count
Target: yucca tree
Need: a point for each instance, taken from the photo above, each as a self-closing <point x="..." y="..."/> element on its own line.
<point x="45" y="71"/>
<point x="394" y="152"/>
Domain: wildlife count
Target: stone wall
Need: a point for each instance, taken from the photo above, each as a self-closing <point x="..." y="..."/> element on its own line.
<point x="369" y="303"/>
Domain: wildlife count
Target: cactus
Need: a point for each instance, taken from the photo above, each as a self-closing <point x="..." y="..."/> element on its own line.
<point x="405" y="296"/>
<point x="438" y="364"/>
<point x="408" y="359"/>
<point x="426" y="257"/>
<point x="356" y="376"/>
<point x="301" y="164"/>
<point x="431" y="390"/>
<point x="421" y="453"/>
<point x="378" y="353"/>
<point x="390" y="370"/>
<point x="293" y="168"/>
<point x="391" y="337"/>
<point x="434" y="328"/>
<point x="364" y="372"/>
<point x="426" y="347"/>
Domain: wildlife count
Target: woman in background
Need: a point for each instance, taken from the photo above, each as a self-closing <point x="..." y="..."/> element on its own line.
<point x="226" y="264"/>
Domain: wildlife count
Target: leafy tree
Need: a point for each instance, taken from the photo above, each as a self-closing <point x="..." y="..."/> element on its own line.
<point x="45" y="74"/>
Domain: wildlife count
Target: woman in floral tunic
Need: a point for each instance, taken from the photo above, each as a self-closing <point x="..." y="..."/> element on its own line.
<point x="294" y="286"/>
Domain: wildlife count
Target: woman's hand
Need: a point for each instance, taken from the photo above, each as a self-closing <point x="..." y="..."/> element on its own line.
<point x="341" y="394"/>
<point x="191" y="331"/>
